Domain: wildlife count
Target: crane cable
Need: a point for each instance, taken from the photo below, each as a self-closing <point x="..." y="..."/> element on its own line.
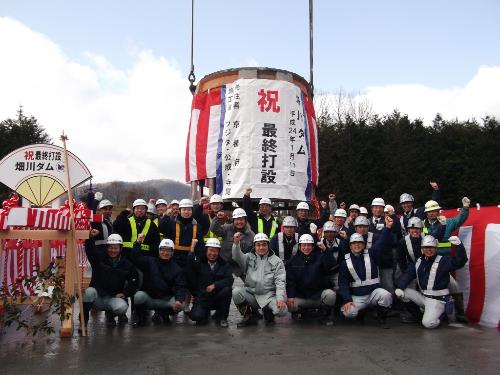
<point x="192" y="77"/>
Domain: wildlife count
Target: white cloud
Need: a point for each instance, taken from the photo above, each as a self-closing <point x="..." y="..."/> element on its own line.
<point x="479" y="97"/>
<point x="124" y="124"/>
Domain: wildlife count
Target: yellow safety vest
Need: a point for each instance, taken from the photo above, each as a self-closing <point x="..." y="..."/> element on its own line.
<point x="260" y="226"/>
<point x="440" y="244"/>
<point x="178" y="237"/>
<point x="211" y="234"/>
<point x="133" y="237"/>
<point x="157" y="222"/>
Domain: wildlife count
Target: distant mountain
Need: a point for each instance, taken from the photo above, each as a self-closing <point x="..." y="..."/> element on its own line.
<point x="123" y="193"/>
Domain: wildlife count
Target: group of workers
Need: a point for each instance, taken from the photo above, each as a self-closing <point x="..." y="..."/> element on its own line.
<point x="183" y="257"/>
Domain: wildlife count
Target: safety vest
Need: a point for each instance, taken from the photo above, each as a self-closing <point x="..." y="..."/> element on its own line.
<point x="368" y="270"/>
<point x="260" y="226"/>
<point x="441" y="244"/>
<point x="432" y="278"/>
<point x="178" y="237"/>
<point x="157" y="222"/>
<point x="281" y="245"/>
<point x="211" y="234"/>
<point x="409" y="246"/>
<point x="133" y="237"/>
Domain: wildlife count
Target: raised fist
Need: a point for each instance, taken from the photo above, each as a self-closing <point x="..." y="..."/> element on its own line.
<point x="434" y="185"/>
<point x="442" y="220"/>
<point x="237" y="237"/>
<point x="220" y="215"/>
<point x="323" y="204"/>
<point x="248" y="191"/>
<point x="388" y="222"/>
<point x="455" y="240"/>
<point x="331" y="196"/>
<point x="465" y="202"/>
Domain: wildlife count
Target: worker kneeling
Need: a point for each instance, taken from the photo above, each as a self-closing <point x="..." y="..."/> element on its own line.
<point x="432" y="272"/>
<point x="163" y="287"/>
<point x="359" y="283"/>
<point x="307" y="280"/>
<point x="264" y="282"/>
<point x="114" y="279"/>
<point x="211" y="279"/>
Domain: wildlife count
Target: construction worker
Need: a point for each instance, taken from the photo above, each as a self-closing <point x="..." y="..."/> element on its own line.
<point x="353" y="213"/>
<point x="215" y="205"/>
<point x="173" y="208"/>
<point x="130" y="227"/>
<point x="211" y="280"/>
<point x="339" y="219"/>
<point x="163" y="287"/>
<point x="441" y="228"/>
<point x="387" y="261"/>
<point x="114" y="279"/>
<point x="359" y="283"/>
<point x="226" y="231"/>
<point x="105" y="208"/>
<point x="407" y="204"/>
<point x="333" y="245"/>
<point x="307" y="281"/>
<point x="184" y="231"/>
<point x="264" y="282"/>
<point x="263" y="221"/>
<point x="304" y="225"/>
<point x="432" y="272"/>
<point x="161" y="206"/>
<point x="285" y="243"/>
<point x="151" y="214"/>
<point x="363" y="211"/>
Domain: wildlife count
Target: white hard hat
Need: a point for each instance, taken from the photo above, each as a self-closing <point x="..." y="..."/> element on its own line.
<point x="216" y="198"/>
<point x="151" y="208"/>
<point x="378" y="202"/>
<point x="260" y="237"/>
<point x="329" y="226"/>
<point x="114" y="239"/>
<point x="306" y="238"/>
<point x="175" y="201"/>
<point x="363" y="210"/>
<point x="289" y="221"/>
<point x="212" y="242"/>
<point x="139" y="202"/>
<point x="265" y="201"/>
<point x="104" y="203"/>
<point x="186" y="203"/>
<point x="356" y="237"/>
<point x="388" y="208"/>
<point x="303" y="206"/>
<point x="239" y="212"/>
<point x="415" y="222"/>
<point x="429" y="241"/>
<point x="166" y="242"/>
<point x="340" y="212"/>
<point x="353" y="207"/>
<point x="405" y="197"/>
<point x="161" y="201"/>
<point x="361" y="220"/>
<point x="432" y="206"/>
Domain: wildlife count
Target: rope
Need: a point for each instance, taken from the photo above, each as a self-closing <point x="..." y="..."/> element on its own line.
<point x="192" y="77"/>
<point x="311" y="75"/>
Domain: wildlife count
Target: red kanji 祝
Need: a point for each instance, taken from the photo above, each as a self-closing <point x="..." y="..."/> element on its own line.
<point x="268" y="100"/>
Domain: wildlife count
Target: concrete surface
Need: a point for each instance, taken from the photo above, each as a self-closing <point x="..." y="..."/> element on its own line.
<point x="287" y="348"/>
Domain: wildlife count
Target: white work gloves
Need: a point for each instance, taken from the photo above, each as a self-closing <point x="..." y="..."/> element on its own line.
<point x="399" y="293"/>
<point x="313" y="228"/>
<point x="454" y="240"/>
<point x="466" y="202"/>
<point x="442" y="220"/>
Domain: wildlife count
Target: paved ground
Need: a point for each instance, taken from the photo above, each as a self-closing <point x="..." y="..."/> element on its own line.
<point x="287" y="348"/>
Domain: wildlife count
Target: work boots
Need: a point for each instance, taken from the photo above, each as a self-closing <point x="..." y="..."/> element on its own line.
<point x="382" y="313"/>
<point x="248" y="318"/>
<point x="110" y="319"/>
<point x="86" y="314"/>
<point x="268" y="316"/>
<point x="139" y="316"/>
<point x="459" y="308"/>
<point x="411" y="313"/>
<point x="328" y="318"/>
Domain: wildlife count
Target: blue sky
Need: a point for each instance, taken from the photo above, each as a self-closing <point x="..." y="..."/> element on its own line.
<point x="357" y="43"/>
<point x="115" y="72"/>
